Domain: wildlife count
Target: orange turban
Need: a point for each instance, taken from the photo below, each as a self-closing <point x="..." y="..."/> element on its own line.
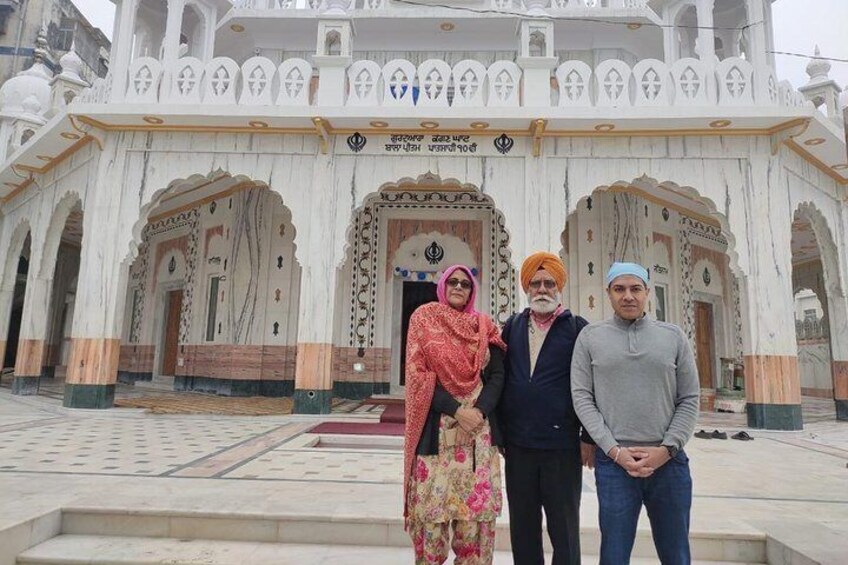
<point x="542" y="260"/>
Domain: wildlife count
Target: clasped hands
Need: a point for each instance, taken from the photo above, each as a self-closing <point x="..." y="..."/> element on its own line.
<point x="639" y="462"/>
<point x="470" y="421"/>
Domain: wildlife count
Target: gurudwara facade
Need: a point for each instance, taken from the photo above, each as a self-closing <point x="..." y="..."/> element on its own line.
<point x="258" y="195"/>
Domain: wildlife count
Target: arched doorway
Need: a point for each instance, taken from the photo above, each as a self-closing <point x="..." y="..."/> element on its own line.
<point x="13" y="293"/>
<point x="399" y="242"/>
<point x="212" y="297"/>
<point x="688" y="251"/>
<point x="821" y="320"/>
<point x="60" y="264"/>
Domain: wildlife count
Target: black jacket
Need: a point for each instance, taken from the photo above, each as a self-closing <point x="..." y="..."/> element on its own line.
<point x="444" y="403"/>
<point x="536" y="410"/>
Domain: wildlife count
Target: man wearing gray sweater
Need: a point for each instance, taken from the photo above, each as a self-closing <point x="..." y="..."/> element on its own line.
<point x="635" y="390"/>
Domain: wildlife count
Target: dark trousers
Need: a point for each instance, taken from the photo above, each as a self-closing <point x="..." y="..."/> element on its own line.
<point x="549" y="479"/>
<point x="667" y="496"/>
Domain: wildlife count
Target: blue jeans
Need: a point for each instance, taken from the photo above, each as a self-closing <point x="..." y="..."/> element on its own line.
<point x="667" y="496"/>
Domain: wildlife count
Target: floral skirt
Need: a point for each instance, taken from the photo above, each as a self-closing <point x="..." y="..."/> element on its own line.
<point x="462" y="482"/>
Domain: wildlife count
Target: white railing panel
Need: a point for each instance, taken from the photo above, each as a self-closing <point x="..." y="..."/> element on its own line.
<point x="220" y="80"/>
<point x="469" y="84"/>
<point x="735" y="82"/>
<point x="612" y="81"/>
<point x="257" y="76"/>
<point x="363" y="84"/>
<point x="433" y="82"/>
<point x="653" y="83"/>
<point x="398" y="82"/>
<point x="504" y="84"/>
<point x="186" y="76"/>
<point x="295" y="76"/>
<point x="575" y="84"/>
<point x="144" y="76"/>
<point x="693" y="85"/>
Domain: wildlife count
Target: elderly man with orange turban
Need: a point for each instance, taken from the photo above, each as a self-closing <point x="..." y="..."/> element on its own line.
<point x="544" y="446"/>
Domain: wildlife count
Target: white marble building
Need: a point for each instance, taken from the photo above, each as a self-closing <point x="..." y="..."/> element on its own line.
<point x="259" y="194"/>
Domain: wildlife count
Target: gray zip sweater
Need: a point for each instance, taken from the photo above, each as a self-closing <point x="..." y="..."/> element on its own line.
<point x="635" y="383"/>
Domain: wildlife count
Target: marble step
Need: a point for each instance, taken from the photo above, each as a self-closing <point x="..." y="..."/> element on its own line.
<point x="114" y="550"/>
<point x="344" y="530"/>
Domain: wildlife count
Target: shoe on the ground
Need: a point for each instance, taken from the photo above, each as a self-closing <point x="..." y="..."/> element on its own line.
<point x="703" y="435"/>
<point x="719" y="435"/>
<point x="742" y="436"/>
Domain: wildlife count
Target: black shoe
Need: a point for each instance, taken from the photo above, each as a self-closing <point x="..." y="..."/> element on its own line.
<point x="742" y="436"/>
<point x="719" y="435"/>
<point x="703" y="435"/>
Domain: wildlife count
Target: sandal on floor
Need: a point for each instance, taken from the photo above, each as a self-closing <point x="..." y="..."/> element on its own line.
<point x="742" y="436"/>
<point x="719" y="435"/>
<point x="703" y="435"/>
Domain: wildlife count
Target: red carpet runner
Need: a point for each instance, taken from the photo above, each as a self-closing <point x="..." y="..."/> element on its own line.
<point x="392" y="422"/>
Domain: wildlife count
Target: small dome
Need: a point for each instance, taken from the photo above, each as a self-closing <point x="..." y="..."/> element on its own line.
<point x="35" y="81"/>
<point x="71" y="64"/>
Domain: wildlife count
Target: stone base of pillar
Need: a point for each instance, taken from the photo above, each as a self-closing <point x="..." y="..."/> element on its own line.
<point x="130" y="378"/>
<point x="841" y="410"/>
<point x="359" y="390"/>
<point x="312" y="401"/>
<point x="25" y="386"/>
<point x="840" y="389"/>
<point x="89" y="396"/>
<point x="775" y="416"/>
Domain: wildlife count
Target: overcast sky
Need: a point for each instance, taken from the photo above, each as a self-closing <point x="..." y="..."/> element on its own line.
<point x="798" y="27"/>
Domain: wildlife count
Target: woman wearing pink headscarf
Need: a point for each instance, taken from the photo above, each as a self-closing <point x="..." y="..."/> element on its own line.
<point x="454" y="378"/>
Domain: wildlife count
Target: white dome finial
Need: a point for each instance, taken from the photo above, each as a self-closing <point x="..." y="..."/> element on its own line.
<point x="818" y="68"/>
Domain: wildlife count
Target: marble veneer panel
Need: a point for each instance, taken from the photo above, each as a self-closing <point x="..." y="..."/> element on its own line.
<point x="29" y="358"/>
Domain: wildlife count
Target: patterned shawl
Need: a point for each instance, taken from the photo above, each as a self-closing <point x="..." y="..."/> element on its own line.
<point x="446" y="346"/>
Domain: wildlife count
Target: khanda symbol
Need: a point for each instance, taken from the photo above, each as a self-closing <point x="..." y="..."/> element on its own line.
<point x="434" y="253"/>
<point x="504" y="144"/>
<point x="356" y="142"/>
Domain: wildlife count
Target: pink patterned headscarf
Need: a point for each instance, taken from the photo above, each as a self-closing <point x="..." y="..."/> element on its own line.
<point x="442" y="287"/>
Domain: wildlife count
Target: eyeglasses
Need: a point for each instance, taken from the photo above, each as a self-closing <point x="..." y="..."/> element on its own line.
<point x="549" y="284"/>
<point x="463" y="284"/>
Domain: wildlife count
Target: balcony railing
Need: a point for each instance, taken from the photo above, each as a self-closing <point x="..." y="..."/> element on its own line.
<point x="811" y="330"/>
<point x="505" y="5"/>
<point x="435" y="83"/>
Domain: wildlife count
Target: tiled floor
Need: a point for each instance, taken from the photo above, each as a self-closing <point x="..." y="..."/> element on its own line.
<point x="50" y="456"/>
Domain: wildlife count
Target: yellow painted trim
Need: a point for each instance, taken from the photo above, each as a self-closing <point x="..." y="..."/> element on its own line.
<point x="76" y="146"/>
<point x="223" y="194"/>
<point x="814" y="161"/>
<point x="441" y="131"/>
<point x="537" y="128"/>
<point x="21" y="187"/>
<point x="324" y="131"/>
<point x="84" y="133"/>
<point x="630" y="189"/>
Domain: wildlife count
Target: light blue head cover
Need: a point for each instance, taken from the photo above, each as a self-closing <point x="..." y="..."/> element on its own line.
<point x="621" y="269"/>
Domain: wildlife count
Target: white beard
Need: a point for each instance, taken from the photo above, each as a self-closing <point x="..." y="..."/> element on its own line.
<point x="544" y="305"/>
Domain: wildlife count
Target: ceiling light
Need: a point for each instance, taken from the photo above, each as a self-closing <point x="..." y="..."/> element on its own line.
<point x="718" y="124"/>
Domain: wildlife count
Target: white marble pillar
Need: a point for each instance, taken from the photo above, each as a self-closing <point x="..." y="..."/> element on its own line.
<point x="33" y="337"/>
<point x="315" y="241"/>
<point x="758" y="47"/>
<point x="102" y="284"/>
<point x="122" y="45"/>
<point x="6" y="296"/>
<point x="772" y="380"/>
<point x="706" y="35"/>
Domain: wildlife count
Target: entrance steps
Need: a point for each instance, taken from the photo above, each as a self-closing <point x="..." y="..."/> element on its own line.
<point x="114" y="550"/>
<point x="140" y="537"/>
<point x="158" y="383"/>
